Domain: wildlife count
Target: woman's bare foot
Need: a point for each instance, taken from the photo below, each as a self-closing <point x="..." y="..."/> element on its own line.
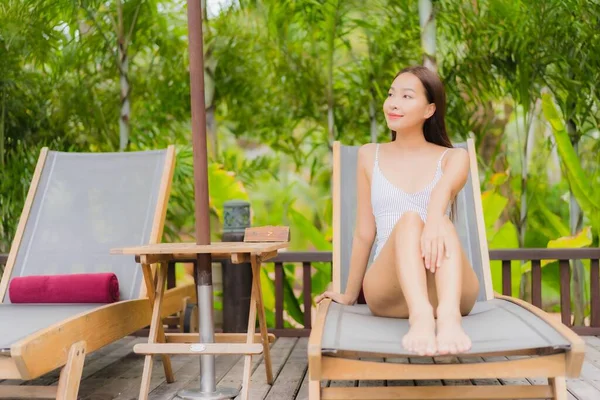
<point x="451" y="338"/>
<point x="420" y="338"/>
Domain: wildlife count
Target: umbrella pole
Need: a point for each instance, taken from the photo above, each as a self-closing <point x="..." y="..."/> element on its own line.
<point x="203" y="268"/>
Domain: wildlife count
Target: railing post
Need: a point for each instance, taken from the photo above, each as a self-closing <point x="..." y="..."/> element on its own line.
<point x="307" y="294"/>
<point x="279" y="277"/>
<point x="565" y="291"/>
<point x="594" y="293"/>
<point x="506" y="278"/>
<point x="536" y="283"/>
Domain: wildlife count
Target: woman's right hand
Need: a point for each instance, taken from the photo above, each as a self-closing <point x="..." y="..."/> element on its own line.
<point x="337" y="297"/>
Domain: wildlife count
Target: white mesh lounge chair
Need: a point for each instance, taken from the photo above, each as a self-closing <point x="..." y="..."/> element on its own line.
<point x="79" y="206"/>
<point x="498" y="325"/>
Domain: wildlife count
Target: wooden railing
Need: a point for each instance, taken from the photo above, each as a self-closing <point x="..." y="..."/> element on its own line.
<point x="536" y="256"/>
<point x="564" y="256"/>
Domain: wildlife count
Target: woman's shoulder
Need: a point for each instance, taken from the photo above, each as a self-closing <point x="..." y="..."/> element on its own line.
<point x="453" y="155"/>
<point x="367" y="151"/>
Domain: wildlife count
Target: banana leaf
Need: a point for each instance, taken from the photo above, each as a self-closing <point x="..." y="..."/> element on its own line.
<point x="587" y="196"/>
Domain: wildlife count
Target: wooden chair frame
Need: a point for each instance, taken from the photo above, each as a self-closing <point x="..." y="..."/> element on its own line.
<point x="555" y="366"/>
<point x="64" y="344"/>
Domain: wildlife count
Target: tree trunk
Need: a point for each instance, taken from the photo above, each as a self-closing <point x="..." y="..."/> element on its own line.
<point x="373" y="118"/>
<point x="330" y="100"/>
<point x="575" y="225"/>
<point x="427" y="22"/>
<point x="2" y="119"/>
<point x="526" y="160"/>
<point x="528" y="148"/>
<point x="123" y="64"/>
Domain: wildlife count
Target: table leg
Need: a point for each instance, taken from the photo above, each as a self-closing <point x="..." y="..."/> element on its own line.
<point x="262" y="320"/>
<point x="155" y="294"/>
<point x="250" y="339"/>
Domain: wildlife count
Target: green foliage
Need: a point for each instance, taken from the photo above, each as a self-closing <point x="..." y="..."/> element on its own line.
<point x="285" y="78"/>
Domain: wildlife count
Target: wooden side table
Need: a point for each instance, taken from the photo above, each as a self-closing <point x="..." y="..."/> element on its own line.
<point x="165" y="344"/>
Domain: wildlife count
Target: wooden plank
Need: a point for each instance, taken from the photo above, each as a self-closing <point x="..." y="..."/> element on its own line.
<point x="372" y="383"/>
<point x="582" y="389"/>
<point x="28" y="392"/>
<point x="288" y="383"/>
<point x="451" y="360"/>
<point x="434" y="392"/>
<point x="303" y="392"/>
<point x="337" y="368"/>
<point x="587" y="384"/>
<point x="262" y="319"/>
<point x="336" y="183"/>
<point x="258" y="384"/>
<point x="507" y="381"/>
<point x="483" y="243"/>
<point x="424" y="361"/>
<point x="233" y="377"/>
<point x="93" y="363"/>
<point x="70" y="376"/>
<point x="124" y="378"/>
<point x="198" y="349"/>
<point x="592" y="352"/>
<point x="339" y="383"/>
<point x="267" y="234"/>
<point x="99" y="326"/>
<point x="110" y="356"/>
<point x="188" y="248"/>
<point x="219" y="338"/>
<point x="405" y="382"/>
<point x="475" y="360"/>
<point x="188" y="377"/>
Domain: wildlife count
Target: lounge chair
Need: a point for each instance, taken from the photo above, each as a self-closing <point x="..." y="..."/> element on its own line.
<point x="79" y="206"/>
<point x="343" y="336"/>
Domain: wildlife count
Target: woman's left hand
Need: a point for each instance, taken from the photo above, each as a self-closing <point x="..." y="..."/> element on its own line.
<point x="433" y="243"/>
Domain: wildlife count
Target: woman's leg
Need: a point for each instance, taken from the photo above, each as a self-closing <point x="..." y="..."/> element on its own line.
<point x="457" y="287"/>
<point x="398" y="285"/>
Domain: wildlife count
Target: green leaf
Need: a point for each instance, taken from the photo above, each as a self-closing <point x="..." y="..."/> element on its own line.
<point x="308" y="230"/>
<point x="223" y="186"/>
<point x="290" y="301"/>
<point x="582" y="239"/>
<point x="554" y="220"/>
<point x="493" y="205"/>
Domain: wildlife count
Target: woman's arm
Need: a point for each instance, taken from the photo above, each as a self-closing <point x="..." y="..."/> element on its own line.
<point x="364" y="231"/>
<point x="456" y="172"/>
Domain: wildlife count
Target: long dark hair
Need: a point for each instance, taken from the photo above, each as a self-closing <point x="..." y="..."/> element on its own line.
<point x="434" y="128"/>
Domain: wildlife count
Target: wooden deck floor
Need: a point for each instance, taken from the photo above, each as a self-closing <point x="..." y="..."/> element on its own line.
<point x="115" y="373"/>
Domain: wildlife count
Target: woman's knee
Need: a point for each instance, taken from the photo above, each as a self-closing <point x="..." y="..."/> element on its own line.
<point x="409" y="223"/>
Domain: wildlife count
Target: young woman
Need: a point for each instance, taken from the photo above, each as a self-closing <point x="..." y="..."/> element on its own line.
<point x="405" y="193"/>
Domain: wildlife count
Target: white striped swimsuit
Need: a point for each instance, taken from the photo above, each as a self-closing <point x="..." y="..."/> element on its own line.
<point x="389" y="202"/>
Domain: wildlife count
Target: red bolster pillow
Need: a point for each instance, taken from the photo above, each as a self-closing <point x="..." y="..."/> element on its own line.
<point x="75" y="288"/>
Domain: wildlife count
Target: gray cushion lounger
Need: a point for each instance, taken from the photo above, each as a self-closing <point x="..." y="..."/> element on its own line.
<point x="79" y="206"/>
<point x="498" y="325"/>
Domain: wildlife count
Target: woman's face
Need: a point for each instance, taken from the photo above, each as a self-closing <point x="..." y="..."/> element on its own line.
<point x="406" y="105"/>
